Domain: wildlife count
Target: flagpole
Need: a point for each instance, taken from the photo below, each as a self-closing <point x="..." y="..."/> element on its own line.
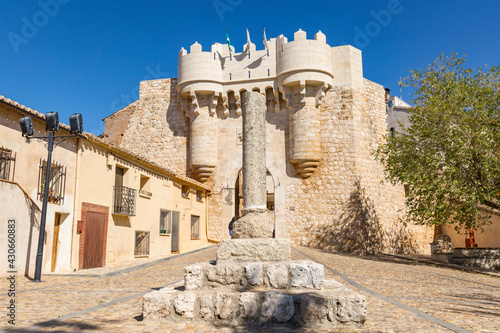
<point x="248" y="42"/>
<point x="229" y="46"/>
<point x="265" y="42"/>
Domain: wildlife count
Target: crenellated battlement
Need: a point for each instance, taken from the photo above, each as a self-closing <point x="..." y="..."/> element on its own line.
<point x="222" y="48"/>
<point x="293" y="75"/>
<point x="285" y="63"/>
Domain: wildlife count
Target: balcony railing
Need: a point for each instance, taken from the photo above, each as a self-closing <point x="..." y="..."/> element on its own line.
<point x="124" y="200"/>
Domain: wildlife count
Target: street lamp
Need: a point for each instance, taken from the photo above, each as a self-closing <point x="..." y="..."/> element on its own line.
<point x="52" y="125"/>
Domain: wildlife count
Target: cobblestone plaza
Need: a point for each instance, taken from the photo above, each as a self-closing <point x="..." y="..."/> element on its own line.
<point x="403" y="295"/>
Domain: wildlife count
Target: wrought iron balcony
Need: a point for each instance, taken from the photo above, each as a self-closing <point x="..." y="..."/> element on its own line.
<point x="124" y="200"/>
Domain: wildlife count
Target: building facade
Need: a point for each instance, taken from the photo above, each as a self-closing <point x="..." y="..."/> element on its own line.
<point x="23" y="165"/>
<point x="105" y="204"/>
<point x="323" y="121"/>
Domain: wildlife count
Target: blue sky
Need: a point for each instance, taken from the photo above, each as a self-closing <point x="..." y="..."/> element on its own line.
<point x="89" y="56"/>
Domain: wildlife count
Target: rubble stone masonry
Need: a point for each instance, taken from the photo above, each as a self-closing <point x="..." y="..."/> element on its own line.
<point x="342" y="203"/>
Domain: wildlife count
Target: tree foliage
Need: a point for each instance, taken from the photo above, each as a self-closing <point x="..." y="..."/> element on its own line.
<point x="449" y="155"/>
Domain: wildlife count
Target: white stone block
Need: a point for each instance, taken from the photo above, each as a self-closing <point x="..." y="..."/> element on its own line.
<point x="225" y="274"/>
<point x="300" y="276"/>
<point x="224" y="306"/>
<point x="278" y="276"/>
<point x="254" y="274"/>
<point x="156" y="304"/>
<point x="193" y="277"/>
<point x="254" y="249"/>
<point x="277" y="306"/>
<point x="207" y="307"/>
<point x="351" y="307"/>
<point x="249" y="305"/>
<point x="184" y="304"/>
<point x="317" y="275"/>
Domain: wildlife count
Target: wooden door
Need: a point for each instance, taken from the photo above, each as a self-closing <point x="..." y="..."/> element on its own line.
<point x="55" y="241"/>
<point x="93" y="255"/>
<point x="175" y="232"/>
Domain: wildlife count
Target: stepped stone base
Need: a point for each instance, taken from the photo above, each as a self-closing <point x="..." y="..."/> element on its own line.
<point x="290" y="293"/>
<point x="282" y="275"/>
<point x="255" y="283"/>
<point x="334" y="306"/>
<point x="254" y="249"/>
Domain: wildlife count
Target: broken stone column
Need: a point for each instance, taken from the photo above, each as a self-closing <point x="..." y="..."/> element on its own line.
<point x="255" y="222"/>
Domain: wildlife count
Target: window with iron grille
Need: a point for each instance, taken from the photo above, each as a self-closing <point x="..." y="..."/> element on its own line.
<point x="124" y="199"/>
<point x="165" y="222"/>
<point x="141" y="243"/>
<point x="57" y="182"/>
<point x="195" y="227"/>
<point x="7" y="161"/>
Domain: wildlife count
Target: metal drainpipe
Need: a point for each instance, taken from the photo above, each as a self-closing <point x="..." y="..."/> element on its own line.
<point x="75" y="206"/>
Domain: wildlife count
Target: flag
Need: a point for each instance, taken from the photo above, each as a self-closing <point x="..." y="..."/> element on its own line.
<point x="228" y="42"/>
<point x="265" y="40"/>
<point x="248" y="39"/>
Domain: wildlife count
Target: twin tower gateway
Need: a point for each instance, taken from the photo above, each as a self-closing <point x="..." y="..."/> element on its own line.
<point x="323" y="121"/>
<point x="293" y="76"/>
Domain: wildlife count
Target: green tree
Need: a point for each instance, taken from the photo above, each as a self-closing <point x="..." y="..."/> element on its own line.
<point x="449" y="155"/>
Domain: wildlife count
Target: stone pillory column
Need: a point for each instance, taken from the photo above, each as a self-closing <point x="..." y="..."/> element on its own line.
<point x="255" y="222"/>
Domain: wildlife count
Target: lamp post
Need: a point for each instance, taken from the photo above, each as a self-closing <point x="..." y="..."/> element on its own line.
<point x="52" y="126"/>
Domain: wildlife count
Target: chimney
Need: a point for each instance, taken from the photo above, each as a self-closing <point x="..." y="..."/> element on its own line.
<point x="387" y="94"/>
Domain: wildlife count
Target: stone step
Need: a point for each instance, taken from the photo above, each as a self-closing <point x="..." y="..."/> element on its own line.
<point x="476" y="252"/>
<point x="486" y="263"/>
<point x="280" y="275"/>
<point x="335" y="306"/>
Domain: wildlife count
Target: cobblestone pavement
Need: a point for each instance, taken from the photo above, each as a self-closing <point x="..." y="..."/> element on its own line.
<point x="402" y="296"/>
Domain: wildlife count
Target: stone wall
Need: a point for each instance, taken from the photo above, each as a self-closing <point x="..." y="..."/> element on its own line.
<point x="158" y="131"/>
<point x="345" y="204"/>
<point x="116" y="124"/>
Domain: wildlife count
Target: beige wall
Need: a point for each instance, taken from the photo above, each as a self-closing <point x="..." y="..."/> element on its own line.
<point x="490" y="237"/>
<point x="96" y="177"/>
<point x="28" y="156"/>
<point x="25" y="230"/>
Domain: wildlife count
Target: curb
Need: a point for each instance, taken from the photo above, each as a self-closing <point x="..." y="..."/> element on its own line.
<point x="453" y="266"/>
<point x="120" y="271"/>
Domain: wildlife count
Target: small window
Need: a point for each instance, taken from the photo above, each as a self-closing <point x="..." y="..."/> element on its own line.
<point x="393" y="131"/>
<point x="57" y="182"/>
<point x="141" y="244"/>
<point x="195" y="227"/>
<point x="165" y="222"/>
<point x="185" y="191"/>
<point x="7" y="160"/>
<point x="199" y="195"/>
<point x="144" y="190"/>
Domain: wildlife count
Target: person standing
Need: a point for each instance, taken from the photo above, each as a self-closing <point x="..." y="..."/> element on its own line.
<point x="231" y="225"/>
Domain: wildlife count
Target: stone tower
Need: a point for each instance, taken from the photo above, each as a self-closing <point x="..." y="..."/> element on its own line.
<point x="323" y="122"/>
